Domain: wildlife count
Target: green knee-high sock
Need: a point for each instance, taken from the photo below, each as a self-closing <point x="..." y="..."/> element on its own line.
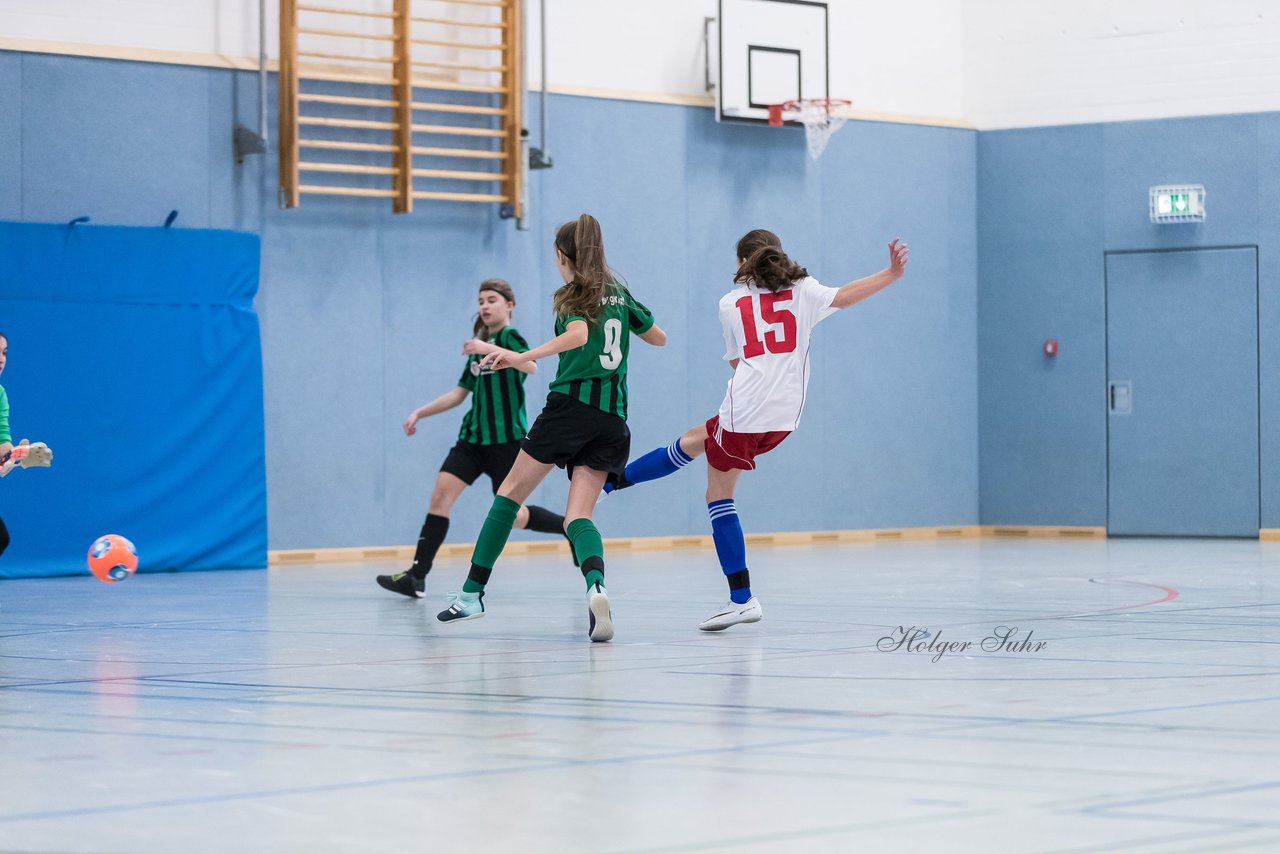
<point x="588" y="548"/>
<point x="492" y="539"/>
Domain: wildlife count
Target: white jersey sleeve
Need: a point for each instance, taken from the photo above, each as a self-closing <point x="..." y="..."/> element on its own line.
<point x="731" y="325"/>
<point x="815" y="300"/>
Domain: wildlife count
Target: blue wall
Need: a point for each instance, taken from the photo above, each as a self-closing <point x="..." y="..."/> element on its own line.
<point x="1051" y="201"/>
<point x="134" y="353"/>
<point x="363" y="313"/>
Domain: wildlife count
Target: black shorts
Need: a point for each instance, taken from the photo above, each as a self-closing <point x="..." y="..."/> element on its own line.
<point x="467" y="461"/>
<point x="569" y="434"/>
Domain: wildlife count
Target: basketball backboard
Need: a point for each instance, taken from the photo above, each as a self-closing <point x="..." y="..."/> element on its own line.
<point x="770" y="51"/>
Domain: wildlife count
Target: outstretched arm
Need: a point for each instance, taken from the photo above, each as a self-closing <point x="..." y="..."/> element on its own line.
<point x="6" y="453"/>
<point x="483" y="348"/>
<point x="860" y="289"/>
<point x="573" y="337"/>
<point x="443" y="403"/>
<point x="653" y="335"/>
<point x="26" y="455"/>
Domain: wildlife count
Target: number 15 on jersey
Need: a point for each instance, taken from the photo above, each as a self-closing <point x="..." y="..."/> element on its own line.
<point x="776" y="340"/>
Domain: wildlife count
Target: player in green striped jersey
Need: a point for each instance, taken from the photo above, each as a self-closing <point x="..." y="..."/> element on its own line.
<point x="489" y="439"/>
<point x="596" y="373"/>
<point x="583" y="427"/>
<point x="496" y="416"/>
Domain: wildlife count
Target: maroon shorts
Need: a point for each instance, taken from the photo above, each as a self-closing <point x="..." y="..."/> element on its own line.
<point x="727" y="450"/>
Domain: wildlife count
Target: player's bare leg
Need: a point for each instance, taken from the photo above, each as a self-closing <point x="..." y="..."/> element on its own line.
<point x="447" y="490"/>
<point x="721" y="484"/>
<point x="694" y="441"/>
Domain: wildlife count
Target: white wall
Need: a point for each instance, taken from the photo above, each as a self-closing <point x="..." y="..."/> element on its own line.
<point x="1047" y="62"/>
<point x="903" y="60"/>
<point x="997" y="63"/>
<point x="218" y="27"/>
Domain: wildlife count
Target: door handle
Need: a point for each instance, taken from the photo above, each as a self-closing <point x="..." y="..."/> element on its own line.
<point x="1120" y="397"/>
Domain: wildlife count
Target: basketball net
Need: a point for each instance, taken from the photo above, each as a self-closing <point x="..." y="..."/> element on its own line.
<point x="816" y="116"/>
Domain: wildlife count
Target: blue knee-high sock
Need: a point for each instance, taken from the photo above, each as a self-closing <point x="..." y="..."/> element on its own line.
<point x="731" y="547"/>
<point x="659" y="462"/>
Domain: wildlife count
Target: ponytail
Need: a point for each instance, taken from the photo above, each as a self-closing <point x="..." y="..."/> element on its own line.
<point x="581" y="242"/>
<point x="502" y="289"/>
<point x="764" y="263"/>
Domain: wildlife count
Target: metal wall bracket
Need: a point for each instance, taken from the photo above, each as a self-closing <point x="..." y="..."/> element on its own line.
<point x="247" y="142"/>
<point x="706" y="53"/>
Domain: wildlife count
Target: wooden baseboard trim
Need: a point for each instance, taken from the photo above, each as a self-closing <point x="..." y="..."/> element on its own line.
<point x="1075" y="532"/>
<point x="285" y="557"/>
<point x="288" y="557"/>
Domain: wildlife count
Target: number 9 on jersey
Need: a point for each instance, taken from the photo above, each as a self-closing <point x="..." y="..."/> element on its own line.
<point x="611" y="358"/>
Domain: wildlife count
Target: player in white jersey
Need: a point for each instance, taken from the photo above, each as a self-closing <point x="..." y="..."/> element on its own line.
<point x="766" y="339"/>
<point x="767" y="321"/>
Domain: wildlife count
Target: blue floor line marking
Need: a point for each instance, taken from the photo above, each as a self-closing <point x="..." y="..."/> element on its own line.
<point x="401" y="781"/>
<point x="1189" y="796"/>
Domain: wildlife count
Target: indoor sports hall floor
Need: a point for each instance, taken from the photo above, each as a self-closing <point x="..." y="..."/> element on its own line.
<point x="274" y="711"/>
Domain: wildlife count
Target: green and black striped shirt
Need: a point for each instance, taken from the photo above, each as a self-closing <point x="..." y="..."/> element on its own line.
<point x="497" y="397"/>
<point x="596" y="372"/>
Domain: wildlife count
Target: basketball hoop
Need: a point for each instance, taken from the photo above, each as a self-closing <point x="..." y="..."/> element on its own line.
<point x="816" y="114"/>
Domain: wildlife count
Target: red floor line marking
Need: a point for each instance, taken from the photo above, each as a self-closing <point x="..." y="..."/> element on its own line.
<point x="1169" y="595"/>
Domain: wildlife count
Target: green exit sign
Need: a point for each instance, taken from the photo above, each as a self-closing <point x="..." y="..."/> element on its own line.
<point x="1167" y="203"/>
<point x="1183" y="203"/>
